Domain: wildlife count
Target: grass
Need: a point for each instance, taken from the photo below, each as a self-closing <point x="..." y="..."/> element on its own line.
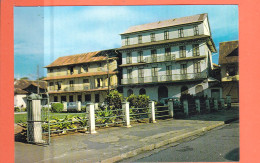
<point x="18" y="118"/>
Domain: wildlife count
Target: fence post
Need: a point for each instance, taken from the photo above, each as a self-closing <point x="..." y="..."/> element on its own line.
<point x="186" y="107"/>
<point x="215" y="104"/>
<point x="207" y="104"/>
<point x="125" y="106"/>
<point x="65" y="108"/>
<point x="91" y="114"/>
<point x="78" y="106"/>
<point x="170" y="108"/>
<point x="197" y="104"/>
<point x="222" y="103"/>
<point x="228" y="100"/>
<point x="34" y="127"/>
<point x="152" y="111"/>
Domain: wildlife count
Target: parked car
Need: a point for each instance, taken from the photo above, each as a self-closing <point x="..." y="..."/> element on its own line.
<point x="46" y="106"/>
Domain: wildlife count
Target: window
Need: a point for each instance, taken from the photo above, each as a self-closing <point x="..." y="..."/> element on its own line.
<point x="182" y="50"/>
<point x="128" y="58"/>
<point x="58" y="84"/>
<point x="63" y="98"/>
<point x="96" y="98"/>
<point x="154" y="71"/>
<point x="71" y="83"/>
<point x="85" y="68"/>
<point x="140" y="72"/>
<point x="154" y="55"/>
<point x="168" y="70"/>
<point x="127" y="41"/>
<point x="99" y="64"/>
<point x="85" y="80"/>
<point x="166" y="35"/>
<point x="79" y="98"/>
<point x="71" y="98"/>
<point x="152" y="35"/>
<point x="180" y="32"/>
<point x="88" y="97"/>
<point x="140" y="56"/>
<point x="55" y="99"/>
<point x="167" y="51"/>
<point x="183" y="68"/>
<point x="71" y="70"/>
<point x="140" y="40"/>
<point x="196" y="67"/>
<point x="142" y="91"/>
<point x="51" y="84"/>
<point x="99" y="82"/>
<point x="196" y="30"/>
<point x="129" y="73"/>
<point x="231" y="70"/>
<point x="51" y="70"/>
<point x="195" y="50"/>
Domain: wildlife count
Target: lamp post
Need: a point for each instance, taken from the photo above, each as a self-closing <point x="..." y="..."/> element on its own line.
<point x="108" y="79"/>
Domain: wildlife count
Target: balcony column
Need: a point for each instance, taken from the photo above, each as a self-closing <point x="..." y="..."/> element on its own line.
<point x="186" y="107"/>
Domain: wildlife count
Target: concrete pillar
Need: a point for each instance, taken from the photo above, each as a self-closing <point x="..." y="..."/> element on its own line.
<point x="34" y="128"/>
<point x="152" y="111"/>
<point x="170" y="108"/>
<point x="222" y="103"/>
<point x="207" y="104"/>
<point x="186" y="107"/>
<point x="78" y="106"/>
<point x="228" y="101"/>
<point x="215" y="104"/>
<point x="65" y="109"/>
<point x="91" y="114"/>
<point x="197" y="104"/>
<point x="125" y="106"/>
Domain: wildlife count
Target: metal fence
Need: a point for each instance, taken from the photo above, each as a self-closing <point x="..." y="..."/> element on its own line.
<point x="138" y="113"/>
<point x="162" y="112"/>
<point x="107" y="117"/>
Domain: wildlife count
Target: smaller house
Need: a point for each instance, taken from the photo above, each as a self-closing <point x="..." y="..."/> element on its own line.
<point x="23" y="88"/>
<point x="228" y="61"/>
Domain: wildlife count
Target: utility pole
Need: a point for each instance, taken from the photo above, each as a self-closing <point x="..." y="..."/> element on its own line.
<point x="108" y="79"/>
<point x="38" y="90"/>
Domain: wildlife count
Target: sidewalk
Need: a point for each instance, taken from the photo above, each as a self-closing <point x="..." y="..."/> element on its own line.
<point x="116" y="143"/>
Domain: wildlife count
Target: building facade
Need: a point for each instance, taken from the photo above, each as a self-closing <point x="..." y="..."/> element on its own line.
<point x="168" y="58"/>
<point x="83" y="77"/>
<point x="23" y="88"/>
<point x="228" y="60"/>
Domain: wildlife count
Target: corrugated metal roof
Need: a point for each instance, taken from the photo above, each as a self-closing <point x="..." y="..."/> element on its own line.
<point x="20" y="85"/>
<point x="227" y="48"/>
<point x="167" y="23"/>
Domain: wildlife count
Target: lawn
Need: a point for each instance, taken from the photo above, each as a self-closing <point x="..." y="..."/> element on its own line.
<point x="18" y="118"/>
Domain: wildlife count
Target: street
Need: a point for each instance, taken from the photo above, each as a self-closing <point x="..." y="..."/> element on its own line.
<point x="218" y="145"/>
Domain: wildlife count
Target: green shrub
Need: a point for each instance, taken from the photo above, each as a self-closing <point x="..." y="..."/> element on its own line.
<point x="56" y="107"/>
<point x="16" y="109"/>
<point x="24" y="109"/>
<point x="105" y="113"/>
<point x="140" y="101"/>
<point x="114" y="99"/>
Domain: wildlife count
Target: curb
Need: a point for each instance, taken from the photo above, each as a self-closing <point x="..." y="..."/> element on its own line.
<point x="164" y="142"/>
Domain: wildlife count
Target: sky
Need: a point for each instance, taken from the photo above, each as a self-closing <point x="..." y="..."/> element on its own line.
<point x="42" y="34"/>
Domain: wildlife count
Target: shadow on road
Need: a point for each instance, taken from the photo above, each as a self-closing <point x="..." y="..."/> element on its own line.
<point x="233" y="155"/>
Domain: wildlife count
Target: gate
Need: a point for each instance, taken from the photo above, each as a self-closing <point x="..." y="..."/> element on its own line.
<point x="37" y="120"/>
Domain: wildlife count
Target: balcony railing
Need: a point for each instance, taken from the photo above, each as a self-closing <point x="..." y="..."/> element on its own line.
<point x="79" y="88"/>
<point x="162" y="58"/>
<point x="165" y="78"/>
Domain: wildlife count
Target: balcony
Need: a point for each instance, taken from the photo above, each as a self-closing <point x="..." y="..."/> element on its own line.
<point x="166" y="78"/>
<point x="162" y="58"/>
<point x="230" y="78"/>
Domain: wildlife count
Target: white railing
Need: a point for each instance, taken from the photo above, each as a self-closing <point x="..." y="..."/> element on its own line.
<point x="165" y="78"/>
<point x="161" y="58"/>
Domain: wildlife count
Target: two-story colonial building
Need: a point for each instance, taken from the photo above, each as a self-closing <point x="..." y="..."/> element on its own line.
<point x="168" y="58"/>
<point x="83" y="77"/>
<point x="228" y="60"/>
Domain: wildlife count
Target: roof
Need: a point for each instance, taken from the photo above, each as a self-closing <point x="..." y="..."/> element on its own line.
<point x="167" y="23"/>
<point x="80" y="75"/>
<point x="79" y="59"/>
<point x="20" y="85"/>
<point x="228" y="52"/>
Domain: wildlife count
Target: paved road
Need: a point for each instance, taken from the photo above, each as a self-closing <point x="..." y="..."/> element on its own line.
<point x="221" y="144"/>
